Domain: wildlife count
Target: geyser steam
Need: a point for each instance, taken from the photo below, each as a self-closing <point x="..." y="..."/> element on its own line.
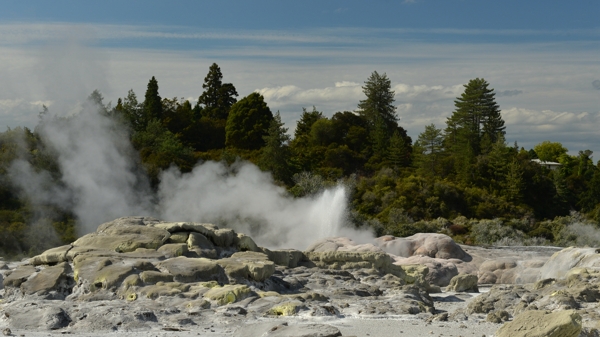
<point x="99" y="182"/>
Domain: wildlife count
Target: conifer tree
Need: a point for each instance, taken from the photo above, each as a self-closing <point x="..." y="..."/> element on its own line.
<point x="275" y="155"/>
<point x="476" y="115"/>
<point x="218" y="97"/>
<point x="152" y="106"/>
<point x="379" y="104"/>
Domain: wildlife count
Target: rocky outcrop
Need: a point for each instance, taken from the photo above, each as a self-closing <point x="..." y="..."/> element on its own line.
<point x="543" y="324"/>
<point x="463" y="283"/>
<point x="200" y="267"/>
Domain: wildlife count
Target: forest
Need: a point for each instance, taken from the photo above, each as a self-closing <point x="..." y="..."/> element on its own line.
<point x="461" y="179"/>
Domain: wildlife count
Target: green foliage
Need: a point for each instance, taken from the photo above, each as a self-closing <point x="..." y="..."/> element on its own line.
<point x="430" y="150"/>
<point x="476" y="115"/>
<point x="159" y="149"/>
<point x="217" y="97"/>
<point x="379" y="104"/>
<point x="248" y="122"/>
<point x="549" y="151"/>
<point x="152" y="106"/>
<point x="275" y="155"/>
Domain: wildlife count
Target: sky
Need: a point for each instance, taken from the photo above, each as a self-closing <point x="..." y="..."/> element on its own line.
<point x="541" y="57"/>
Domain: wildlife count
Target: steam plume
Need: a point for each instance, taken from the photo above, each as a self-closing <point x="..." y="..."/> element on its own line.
<point x="99" y="182"/>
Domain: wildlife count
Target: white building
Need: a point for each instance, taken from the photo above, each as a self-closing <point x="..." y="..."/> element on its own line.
<point x="547" y="164"/>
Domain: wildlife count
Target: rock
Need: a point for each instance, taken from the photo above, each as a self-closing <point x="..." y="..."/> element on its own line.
<point x="440" y="271"/>
<point x="543" y="324"/>
<point x="426" y="244"/>
<point x="561" y="262"/>
<point x="179" y="237"/>
<point x="286" y="309"/>
<point x="52" y="281"/>
<point x="463" y="283"/>
<point x="499" y="297"/>
<point x="497" y="316"/>
<point x="123" y="237"/>
<point x="284" y="257"/>
<point x="187" y="270"/>
<point x="285" y="330"/>
<point x="243" y="243"/>
<point x="170" y="250"/>
<point x="228" y="294"/>
<point x="18" y="276"/>
<point x="36" y="318"/>
<point x="153" y="277"/>
<point x="199" y="244"/>
<point x="52" y="256"/>
<point x="248" y="265"/>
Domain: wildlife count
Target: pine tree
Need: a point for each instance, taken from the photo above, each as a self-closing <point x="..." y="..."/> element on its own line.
<point x="275" y="155"/>
<point x="379" y="104"/>
<point x="476" y="115"/>
<point x="218" y="97"/>
<point x="430" y="143"/>
<point x="152" y="107"/>
<point x="398" y="153"/>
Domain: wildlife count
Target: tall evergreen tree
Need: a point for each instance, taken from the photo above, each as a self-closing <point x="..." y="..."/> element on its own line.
<point x="275" y="155"/>
<point x="398" y="152"/>
<point x="379" y="104"/>
<point x="476" y="115"/>
<point x="152" y="107"/>
<point x="430" y="144"/>
<point x="218" y="97"/>
<point x="307" y="119"/>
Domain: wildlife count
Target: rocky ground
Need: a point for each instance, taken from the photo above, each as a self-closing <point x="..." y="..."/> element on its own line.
<point x="142" y="276"/>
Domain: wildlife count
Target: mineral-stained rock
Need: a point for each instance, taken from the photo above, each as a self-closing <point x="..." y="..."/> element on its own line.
<point x="52" y="256"/>
<point x="170" y="250"/>
<point x="52" y="281"/>
<point x="179" y="237"/>
<point x="188" y="270"/>
<point x="124" y="237"/>
<point x="543" y="324"/>
<point x="463" y="283"/>
<point x="440" y="271"/>
<point x="248" y="265"/>
<point x="228" y="294"/>
<point x="497" y="316"/>
<point x="153" y="277"/>
<point x="286" y="309"/>
<point x="106" y="273"/>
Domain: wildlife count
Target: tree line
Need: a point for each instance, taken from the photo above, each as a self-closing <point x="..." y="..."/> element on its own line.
<point x="462" y="170"/>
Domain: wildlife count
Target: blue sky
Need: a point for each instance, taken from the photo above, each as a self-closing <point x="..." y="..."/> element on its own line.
<point x="542" y="57"/>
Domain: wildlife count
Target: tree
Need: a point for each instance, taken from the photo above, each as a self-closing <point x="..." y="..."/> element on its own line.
<point x="476" y="115"/>
<point x="131" y="111"/>
<point x="430" y="143"/>
<point x="549" y="151"/>
<point x="398" y="152"/>
<point x="152" y="107"/>
<point x="379" y="104"/>
<point x="248" y="122"/>
<point x="217" y="97"/>
<point x="275" y="155"/>
<point x="306" y="122"/>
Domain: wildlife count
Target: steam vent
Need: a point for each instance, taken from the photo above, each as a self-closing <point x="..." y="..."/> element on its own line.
<point x="140" y="274"/>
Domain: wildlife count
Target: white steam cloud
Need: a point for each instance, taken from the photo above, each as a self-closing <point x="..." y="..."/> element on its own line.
<point x="100" y="182"/>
